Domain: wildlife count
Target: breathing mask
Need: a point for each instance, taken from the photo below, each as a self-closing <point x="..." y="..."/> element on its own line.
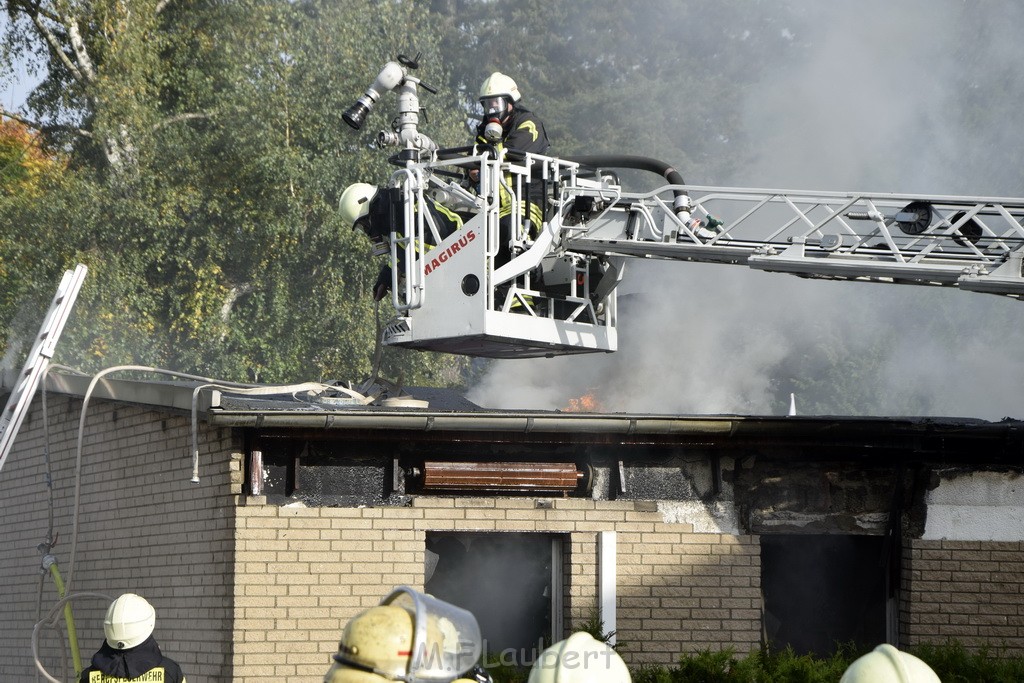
<point x="496" y="112"/>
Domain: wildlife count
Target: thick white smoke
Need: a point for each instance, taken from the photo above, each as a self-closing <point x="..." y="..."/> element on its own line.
<point x="886" y="97"/>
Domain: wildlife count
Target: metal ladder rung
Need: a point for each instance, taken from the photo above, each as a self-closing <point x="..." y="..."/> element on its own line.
<point x="38" y="358"/>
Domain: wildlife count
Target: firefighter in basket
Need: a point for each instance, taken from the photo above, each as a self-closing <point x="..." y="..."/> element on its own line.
<point x="410" y="637"/>
<point x="507" y="124"/>
<point x="377" y="211"/>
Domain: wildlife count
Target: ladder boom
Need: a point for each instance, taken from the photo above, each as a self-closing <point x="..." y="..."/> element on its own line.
<point x="974" y="243"/>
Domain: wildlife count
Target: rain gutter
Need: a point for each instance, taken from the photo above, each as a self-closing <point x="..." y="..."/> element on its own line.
<point x="471" y="422"/>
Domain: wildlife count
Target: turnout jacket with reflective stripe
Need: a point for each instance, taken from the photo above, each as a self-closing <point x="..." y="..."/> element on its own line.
<point x="144" y="662"/>
<point x="523" y="132"/>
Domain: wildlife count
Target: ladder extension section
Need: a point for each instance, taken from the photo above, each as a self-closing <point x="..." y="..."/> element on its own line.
<point x="973" y="243"/>
<point x="38" y="358"/>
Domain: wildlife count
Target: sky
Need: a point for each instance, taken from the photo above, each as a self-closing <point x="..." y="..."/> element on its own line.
<point x="12" y="97"/>
<point x="15" y="88"/>
<point x="878" y="103"/>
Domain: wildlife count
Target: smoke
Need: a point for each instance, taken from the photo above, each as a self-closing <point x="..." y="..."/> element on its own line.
<point x="910" y="97"/>
<point x="512" y="619"/>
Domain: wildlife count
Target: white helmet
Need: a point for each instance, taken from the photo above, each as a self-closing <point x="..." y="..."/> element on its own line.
<point x="499" y="85"/>
<point x="886" y="664"/>
<point x="580" y="658"/>
<point x="355" y="201"/>
<point x="129" y="621"/>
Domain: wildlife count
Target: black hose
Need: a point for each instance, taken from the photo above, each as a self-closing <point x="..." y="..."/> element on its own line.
<point x="455" y="152"/>
<point x="634" y="162"/>
<point x="629" y="161"/>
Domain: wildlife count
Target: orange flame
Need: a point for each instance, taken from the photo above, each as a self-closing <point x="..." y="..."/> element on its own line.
<point x="587" y="403"/>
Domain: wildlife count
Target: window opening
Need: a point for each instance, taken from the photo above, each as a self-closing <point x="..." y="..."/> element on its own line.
<point x="823" y="590"/>
<point x="511" y="582"/>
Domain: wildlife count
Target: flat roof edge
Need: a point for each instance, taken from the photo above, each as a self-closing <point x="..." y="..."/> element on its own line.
<point x="152" y="394"/>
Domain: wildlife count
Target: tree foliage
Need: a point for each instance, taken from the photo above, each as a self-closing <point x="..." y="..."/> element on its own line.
<point x="207" y="155"/>
<point x="660" y="79"/>
<point x="192" y="153"/>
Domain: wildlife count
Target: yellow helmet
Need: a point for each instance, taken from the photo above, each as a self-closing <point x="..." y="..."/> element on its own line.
<point x="409" y="637"/>
<point x="376" y="643"/>
<point x="886" y="664"/>
<point x="355" y="202"/>
<point x="499" y="85"/>
<point x="580" y="658"/>
<point x="130" y="619"/>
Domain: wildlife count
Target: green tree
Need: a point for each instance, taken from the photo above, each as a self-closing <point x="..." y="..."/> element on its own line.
<point x="662" y="79"/>
<point x="207" y="154"/>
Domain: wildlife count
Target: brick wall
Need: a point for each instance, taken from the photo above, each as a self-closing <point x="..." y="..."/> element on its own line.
<point x="143" y="527"/>
<point x="252" y="592"/>
<point x="969" y="591"/>
<point x="302" y="573"/>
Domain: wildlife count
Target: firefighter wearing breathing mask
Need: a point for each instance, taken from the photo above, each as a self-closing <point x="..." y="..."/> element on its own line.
<point x="580" y="658"/>
<point x="409" y="637"/>
<point x="506" y="121"/>
<point x="507" y="124"/>
<point x="886" y="664"/>
<point x="377" y="211"/>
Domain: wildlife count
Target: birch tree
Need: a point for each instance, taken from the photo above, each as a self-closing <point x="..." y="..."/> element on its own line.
<point x="206" y="156"/>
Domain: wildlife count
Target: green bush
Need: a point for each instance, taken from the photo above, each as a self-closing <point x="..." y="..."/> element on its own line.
<point x="952" y="662"/>
<point x="760" y="667"/>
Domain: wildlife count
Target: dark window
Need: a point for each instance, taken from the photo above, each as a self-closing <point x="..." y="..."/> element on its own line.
<point x="504" y="579"/>
<point x="820" y="591"/>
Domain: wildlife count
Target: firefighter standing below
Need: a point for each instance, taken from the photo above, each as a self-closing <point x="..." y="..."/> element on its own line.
<point x="410" y="637"/>
<point x="886" y="664"/>
<point x="507" y="124"/>
<point x="129" y="651"/>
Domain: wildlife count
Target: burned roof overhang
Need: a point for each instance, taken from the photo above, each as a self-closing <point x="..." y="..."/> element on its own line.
<point x="949" y="440"/>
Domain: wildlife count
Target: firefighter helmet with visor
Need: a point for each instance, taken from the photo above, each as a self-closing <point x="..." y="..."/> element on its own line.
<point x="408" y="637"/>
<point x="497" y="95"/>
<point x="499" y="85"/>
<point x="354" y="207"/>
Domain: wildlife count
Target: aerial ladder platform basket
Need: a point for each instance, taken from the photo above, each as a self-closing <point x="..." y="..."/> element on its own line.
<point x="557" y="293"/>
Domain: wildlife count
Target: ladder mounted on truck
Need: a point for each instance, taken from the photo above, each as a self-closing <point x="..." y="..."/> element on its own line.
<point x="557" y="294"/>
<point x="502" y="288"/>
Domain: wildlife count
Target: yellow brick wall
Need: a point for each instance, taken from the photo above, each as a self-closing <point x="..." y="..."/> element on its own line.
<point x="302" y="573"/>
<point x="969" y="591"/>
<point x="250" y="592"/>
<point x="144" y="527"/>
